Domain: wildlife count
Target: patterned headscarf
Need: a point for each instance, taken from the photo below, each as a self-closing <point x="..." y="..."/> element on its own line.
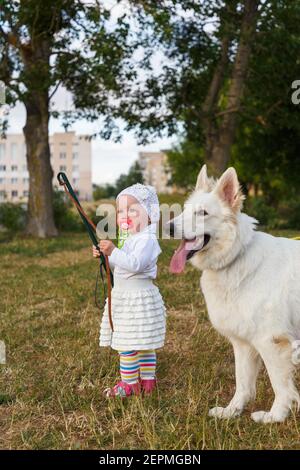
<point x="146" y="196"/>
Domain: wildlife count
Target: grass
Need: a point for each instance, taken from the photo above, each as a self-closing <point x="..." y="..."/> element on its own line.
<point x="51" y="387"/>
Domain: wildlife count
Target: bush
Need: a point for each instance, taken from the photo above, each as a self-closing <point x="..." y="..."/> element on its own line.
<point x="293" y="215"/>
<point x="265" y="214"/>
<point x="65" y="219"/>
<point x="12" y="216"/>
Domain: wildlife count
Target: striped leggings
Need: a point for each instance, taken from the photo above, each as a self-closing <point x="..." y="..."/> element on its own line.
<point x="135" y="364"/>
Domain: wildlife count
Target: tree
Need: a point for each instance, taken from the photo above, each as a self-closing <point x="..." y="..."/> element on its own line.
<point x="258" y="127"/>
<point x="48" y="44"/>
<point x="134" y="175"/>
<point x="220" y="125"/>
<point x="207" y="48"/>
<point x="185" y="160"/>
<point x="103" y="191"/>
<point x="266" y="148"/>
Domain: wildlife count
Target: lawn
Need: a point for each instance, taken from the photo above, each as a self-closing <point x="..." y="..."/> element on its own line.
<point x="51" y="387"/>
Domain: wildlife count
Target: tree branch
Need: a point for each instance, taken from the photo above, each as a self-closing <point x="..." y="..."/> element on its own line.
<point x="55" y="90"/>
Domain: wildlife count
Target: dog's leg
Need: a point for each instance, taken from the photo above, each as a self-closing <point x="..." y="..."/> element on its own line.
<point x="277" y="359"/>
<point x="247" y="365"/>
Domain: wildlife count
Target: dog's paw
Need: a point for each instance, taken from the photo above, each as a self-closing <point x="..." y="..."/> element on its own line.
<point x="224" y="413"/>
<point x="267" y="417"/>
<point x="296" y="352"/>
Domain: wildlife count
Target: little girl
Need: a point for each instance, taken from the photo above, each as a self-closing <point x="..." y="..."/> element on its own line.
<point x="138" y="311"/>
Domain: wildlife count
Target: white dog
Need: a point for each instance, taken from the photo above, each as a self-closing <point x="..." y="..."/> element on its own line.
<point x="251" y="285"/>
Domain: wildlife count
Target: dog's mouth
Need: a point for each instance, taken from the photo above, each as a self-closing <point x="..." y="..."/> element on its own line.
<point x="186" y="250"/>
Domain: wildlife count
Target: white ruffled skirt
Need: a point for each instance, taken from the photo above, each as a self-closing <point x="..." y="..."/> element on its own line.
<point x="138" y="314"/>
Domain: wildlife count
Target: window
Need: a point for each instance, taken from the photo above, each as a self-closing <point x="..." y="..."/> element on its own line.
<point x="14" y="193"/>
<point x="24" y="167"/>
<point x="75" y="167"/>
<point x="25" y="193"/>
<point x="2" y="167"/>
<point x="2" y="195"/>
<point x="62" y="168"/>
<point x="2" y="180"/>
<point x="62" y="155"/>
<point x="14" y="180"/>
<point x="14" y="151"/>
<point x="14" y="168"/>
<point x="2" y="151"/>
<point x="75" y="155"/>
<point x="62" y="143"/>
<point x="75" y="181"/>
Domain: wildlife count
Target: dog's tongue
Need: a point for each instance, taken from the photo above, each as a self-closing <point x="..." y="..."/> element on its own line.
<point x="179" y="259"/>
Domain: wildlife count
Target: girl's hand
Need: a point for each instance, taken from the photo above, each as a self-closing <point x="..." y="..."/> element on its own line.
<point x="96" y="253"/>
<point x="107" y="247"/>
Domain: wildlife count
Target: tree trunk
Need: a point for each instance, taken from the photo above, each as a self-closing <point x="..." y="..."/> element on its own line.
<point x="221" y="140"/>
<point x="210" y="103"/>
<point x="40" y="218"/>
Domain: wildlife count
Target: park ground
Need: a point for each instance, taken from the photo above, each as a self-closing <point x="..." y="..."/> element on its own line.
<point x="51" y="387"/>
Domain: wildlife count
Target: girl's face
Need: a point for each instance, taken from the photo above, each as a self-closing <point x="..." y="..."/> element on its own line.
<point x="131" y="215"/>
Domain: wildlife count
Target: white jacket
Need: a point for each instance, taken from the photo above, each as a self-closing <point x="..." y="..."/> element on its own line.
<point x="138" y="256"/>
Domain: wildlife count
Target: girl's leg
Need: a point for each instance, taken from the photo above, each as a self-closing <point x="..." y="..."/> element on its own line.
<point x="147" y="360"/>
<point x="129" y="369"/>
<point x="129" y="366"/>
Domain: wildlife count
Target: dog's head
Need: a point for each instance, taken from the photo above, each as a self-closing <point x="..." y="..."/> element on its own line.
<point x="207" y="226"/>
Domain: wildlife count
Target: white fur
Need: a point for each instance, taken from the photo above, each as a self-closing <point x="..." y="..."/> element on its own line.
<point x="251" y="285"/>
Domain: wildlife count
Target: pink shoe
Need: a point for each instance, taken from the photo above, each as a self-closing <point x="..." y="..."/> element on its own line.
<point x="148" y="385"/>
<point x="123" y="390"/>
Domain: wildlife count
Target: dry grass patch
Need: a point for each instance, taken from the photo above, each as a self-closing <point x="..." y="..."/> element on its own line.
<point x="51" y="388"/>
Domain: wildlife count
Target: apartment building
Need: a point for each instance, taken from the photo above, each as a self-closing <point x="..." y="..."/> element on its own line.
<point x="155" y="171"/>
<point x="70" y="153"/>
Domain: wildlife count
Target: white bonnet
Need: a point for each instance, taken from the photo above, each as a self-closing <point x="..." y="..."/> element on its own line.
<point x="146" y="196"/>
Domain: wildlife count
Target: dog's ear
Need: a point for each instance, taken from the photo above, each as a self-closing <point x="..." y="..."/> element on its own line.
<point x="202" y="180"/>
<point x="228" y="188"/>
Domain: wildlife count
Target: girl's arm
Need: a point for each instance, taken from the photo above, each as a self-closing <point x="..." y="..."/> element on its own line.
<point x="145" y="251"/>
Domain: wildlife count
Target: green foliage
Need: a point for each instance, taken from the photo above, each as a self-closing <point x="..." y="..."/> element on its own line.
<point x="185" y="161"/>
<point x="266" y="215"/>
<point x="88" y="51"/>
<point x="134" y="176"/>
<point x="12" y="216"/>
<point x="293" y="215"/>
<point x="65" y="218"/>
<point x="267" y="145"/>
<point x="106" y="191"/>
<point x="189" y="35"/>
